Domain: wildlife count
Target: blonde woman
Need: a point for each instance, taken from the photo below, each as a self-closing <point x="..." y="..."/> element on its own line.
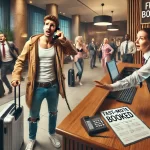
<point x="107" y="50"/>
<point x="79" y="62"/>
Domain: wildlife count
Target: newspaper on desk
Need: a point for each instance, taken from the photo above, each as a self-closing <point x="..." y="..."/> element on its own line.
<point x="128" y="127"/>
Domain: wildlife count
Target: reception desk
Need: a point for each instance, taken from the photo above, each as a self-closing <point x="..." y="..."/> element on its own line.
<point x="76" y="138"/>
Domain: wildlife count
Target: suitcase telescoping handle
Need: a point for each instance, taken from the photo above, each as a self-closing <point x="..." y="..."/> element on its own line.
<point x="18" y="96"/>
<point x="72" y="64"/>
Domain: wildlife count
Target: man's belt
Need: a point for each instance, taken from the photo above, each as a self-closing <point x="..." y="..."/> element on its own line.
<point x="45" y="84"/>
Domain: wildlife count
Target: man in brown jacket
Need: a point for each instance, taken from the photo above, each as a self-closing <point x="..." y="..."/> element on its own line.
<point x="45" y="75"/>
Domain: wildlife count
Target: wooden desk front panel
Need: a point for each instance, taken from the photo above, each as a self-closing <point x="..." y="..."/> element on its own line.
<point x="95" y="102"/>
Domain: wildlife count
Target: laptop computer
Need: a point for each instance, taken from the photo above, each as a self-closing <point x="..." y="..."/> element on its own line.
<point x="113" y="71"/>
<point x="126" y="95"/>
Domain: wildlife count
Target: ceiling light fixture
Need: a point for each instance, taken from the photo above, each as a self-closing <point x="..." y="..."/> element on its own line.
<point x="102" y="20"/>
<point x="101" y="32"/>
<point x="112" y="27"/>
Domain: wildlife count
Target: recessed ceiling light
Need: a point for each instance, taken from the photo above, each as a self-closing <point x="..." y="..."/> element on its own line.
<point x="63" y="13"/>
<point x="60" y="12"/>
<point x="30" y="2"/>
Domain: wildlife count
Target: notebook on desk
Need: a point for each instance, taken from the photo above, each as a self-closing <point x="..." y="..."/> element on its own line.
<point x="126" y="95"/>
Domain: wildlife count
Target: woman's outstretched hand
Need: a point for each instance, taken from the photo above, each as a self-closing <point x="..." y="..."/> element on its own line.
<point x="104" y="86"/>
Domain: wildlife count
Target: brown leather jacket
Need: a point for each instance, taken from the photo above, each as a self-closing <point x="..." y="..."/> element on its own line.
<point x="30" y="52"/>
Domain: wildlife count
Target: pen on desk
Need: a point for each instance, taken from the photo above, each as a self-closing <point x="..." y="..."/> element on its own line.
<point x="140" y="84"/>
<point x="102" y="136"/>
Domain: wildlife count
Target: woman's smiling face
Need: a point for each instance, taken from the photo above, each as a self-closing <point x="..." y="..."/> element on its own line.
<point x="142" y="42"/>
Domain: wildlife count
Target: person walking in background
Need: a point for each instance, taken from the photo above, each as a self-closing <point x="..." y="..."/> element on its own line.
<point x="118" y="42"/>
<point x="79" y="62"/>
<point x="142" y="44"/>
<point x="107" y="50"/>
<point x="45" y="75"/>
<point x="8" y="55"/>
<point x="127" y="49"/>
<point x="92" y="50"/>
<point x="114" y="46"/>
<point x="100" y="52"/>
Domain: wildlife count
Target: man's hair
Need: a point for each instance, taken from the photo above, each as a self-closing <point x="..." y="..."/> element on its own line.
<point x="127" y="34"/>
<point x="53" y="18"/>
<point x="112" y="40"/>
<point x="3" y="34"/>
<point x="147" y="30"/>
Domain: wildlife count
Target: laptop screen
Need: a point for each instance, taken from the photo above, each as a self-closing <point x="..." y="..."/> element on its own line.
<point x="113" y="70"/>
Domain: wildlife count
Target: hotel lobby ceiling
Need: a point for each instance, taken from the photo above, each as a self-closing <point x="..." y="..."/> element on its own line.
<point x="72" y="7"/>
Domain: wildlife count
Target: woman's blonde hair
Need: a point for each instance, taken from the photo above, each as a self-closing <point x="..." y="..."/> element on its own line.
<point x="77" y="38"/>
<point x="105" y="39"/>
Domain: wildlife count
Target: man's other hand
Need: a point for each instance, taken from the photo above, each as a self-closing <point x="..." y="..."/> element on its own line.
<point x="15" y="83"/>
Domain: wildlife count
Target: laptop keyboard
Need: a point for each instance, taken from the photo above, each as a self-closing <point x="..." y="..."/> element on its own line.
<point x="125" y="96"/>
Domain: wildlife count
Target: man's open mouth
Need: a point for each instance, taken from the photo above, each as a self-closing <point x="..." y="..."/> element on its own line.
<point x="137" y="46"/>
<point x="48" y="32"/>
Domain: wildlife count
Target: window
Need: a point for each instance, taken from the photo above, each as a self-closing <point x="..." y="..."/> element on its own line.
<point x="35" y="20"/>
<point x="5" y="15"/>
<point x="65" y="26"/>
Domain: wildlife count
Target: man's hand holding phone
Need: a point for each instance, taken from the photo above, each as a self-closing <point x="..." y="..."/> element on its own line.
<point x="60" y="34"/>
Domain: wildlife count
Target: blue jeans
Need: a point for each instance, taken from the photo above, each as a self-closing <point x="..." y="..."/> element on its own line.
<point x="79" y="64"/>
<point x="52" y="95"/>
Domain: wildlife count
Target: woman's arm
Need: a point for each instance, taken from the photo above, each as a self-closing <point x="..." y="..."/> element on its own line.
<point x="85" y="48"/>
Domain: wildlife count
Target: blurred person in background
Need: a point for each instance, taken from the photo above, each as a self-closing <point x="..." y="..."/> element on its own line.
<point x="92" y="50"/>
<point x="114" y="46"/>
<point x="8" y="55"/>
<point x="107" y="51"/>
<point x="118" y="42"/>
<point x="127" y="49"/>
<point x="79" y="62"/>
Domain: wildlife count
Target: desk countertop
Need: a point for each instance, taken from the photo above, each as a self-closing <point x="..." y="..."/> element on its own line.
<point x="96" y="101"/>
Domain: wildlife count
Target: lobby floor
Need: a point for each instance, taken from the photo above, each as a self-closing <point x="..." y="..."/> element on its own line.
<point x="74" y="95"/>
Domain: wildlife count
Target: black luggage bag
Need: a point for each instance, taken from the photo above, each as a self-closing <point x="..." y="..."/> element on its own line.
<point x="71" y="78"/>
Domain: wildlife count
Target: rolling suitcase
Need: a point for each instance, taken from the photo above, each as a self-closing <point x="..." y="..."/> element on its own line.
<point x="2" y="90"/>
<point x="11" y="126"/>
<point x="71" y="76"/>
